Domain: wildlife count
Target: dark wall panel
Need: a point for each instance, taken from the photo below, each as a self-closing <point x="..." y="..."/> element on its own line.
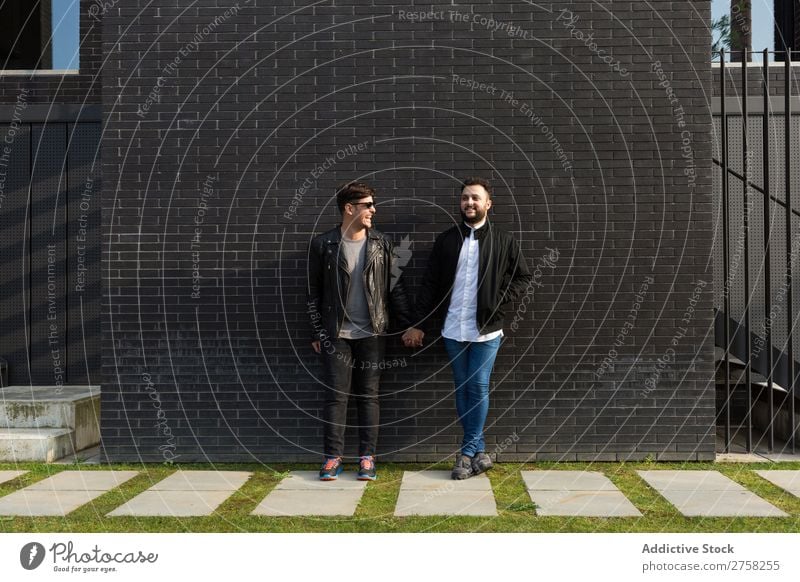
<point x="50" y="267"/>
<point x="83" y="254"/>
<point x="48" y="254"/>
<point x="14" y="249"/>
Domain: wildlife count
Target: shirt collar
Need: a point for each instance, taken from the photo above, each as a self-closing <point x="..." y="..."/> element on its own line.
<point x="479" y="231"/>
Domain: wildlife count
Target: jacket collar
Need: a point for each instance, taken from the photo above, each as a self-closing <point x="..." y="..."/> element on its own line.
<point x="479" y="233"/>
<point x="336" y="234"/>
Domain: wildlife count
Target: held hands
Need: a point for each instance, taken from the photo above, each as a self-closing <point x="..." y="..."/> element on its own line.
<point x="412" y="338"/>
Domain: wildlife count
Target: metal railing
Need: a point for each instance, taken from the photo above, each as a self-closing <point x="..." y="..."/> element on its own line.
<point x="777" y="365"/>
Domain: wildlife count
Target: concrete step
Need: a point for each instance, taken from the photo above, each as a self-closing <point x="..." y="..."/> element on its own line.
<point x="44" y="407"/>
<point x="35" y="444"/>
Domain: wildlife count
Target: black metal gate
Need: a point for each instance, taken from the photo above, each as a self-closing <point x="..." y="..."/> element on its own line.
<point x="756" y="252"/>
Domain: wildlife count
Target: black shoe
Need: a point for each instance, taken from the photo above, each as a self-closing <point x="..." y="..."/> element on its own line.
<point x="366" y="469"/>
<point x="481" y="463"/>
<point x="330" y="469"/>
<point x="463" y="468"/>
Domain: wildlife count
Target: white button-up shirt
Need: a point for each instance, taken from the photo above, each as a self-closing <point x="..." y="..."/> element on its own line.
<point x="461" y="323"/>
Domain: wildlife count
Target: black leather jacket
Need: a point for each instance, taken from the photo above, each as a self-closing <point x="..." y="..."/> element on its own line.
<point x="328" y="281"/>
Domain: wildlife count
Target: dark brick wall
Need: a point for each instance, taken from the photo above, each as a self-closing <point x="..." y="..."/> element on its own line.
<point x="215" y="123"/>
<point x="83" y="88"/>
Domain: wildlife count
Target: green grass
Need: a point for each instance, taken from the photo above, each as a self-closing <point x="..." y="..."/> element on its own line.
<point x="375" y="512"/>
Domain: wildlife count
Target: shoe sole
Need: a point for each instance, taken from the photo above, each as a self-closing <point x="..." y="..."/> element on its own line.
<point x="460" y="476"/>
<point x="329" y="477"/>
<point x="366" y="478"/>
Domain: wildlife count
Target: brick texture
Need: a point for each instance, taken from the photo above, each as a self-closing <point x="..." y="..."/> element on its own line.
<point x="219" y="112"/>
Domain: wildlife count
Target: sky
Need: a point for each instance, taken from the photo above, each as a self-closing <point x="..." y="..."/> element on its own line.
<point x="65" y="34"/>
<point x="763" y="22"/>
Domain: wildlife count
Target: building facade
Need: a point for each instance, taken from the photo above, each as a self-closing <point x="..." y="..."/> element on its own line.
<point x="228" y="126"/>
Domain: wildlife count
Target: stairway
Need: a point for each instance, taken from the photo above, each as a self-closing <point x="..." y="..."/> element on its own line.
<point x="757" y="402"/>
<point x="46" y="423"/>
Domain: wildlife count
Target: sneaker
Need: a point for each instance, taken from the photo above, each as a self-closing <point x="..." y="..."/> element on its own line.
<point x="366" y="469"/>
<point x="463" y="468"/>
<point x="481" y="463"/>
<point x="330" y="469"/>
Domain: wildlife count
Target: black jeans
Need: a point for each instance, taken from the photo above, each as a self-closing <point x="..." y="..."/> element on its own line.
<point x="352" y="366"/>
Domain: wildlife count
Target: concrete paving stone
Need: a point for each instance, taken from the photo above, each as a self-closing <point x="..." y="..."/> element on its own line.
<point x="202" y="481"/>
<point x="466" y="502"/>
<point x="739" y="458"/>
<point x="780" y="457"/>
<point x="689" y="481"/>
<point x="435" y="493"/>
<point x="172" y="503"/>
<point x="9" y="475"/>
<point x="583" y="503"/>
<point x="785" y="479"/>
<point x="62" y="493"/>
<point x="309" y="480"/>
<point x="26" y="502"/>
<point x="90" y="456"/>
<point x="567" y="481"/>
<point x="83" y="481"/>
<point x="441" y="481"/>
<point x="283" y="502"/>
<point x="721" y="504"/>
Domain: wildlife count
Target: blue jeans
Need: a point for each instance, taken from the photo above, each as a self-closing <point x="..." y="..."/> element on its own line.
<point x="472" y="364"/>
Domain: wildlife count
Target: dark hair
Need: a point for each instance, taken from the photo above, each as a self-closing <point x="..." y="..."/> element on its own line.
<point x="475" y="181"/>
<point x="352" y="191"/>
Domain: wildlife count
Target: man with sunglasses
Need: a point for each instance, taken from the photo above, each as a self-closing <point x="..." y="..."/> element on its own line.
<point x="352" y="294"/>
<point x="476" y="269"/>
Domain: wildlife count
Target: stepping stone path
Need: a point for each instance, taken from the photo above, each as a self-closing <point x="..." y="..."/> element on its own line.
<point x="185" y="494"/>
<point x="576" y="493"/>
<point x="302" y="493"/>
<point x="788" y="480"/>
<point x="62" y="493"/>
<point x="708" y="494"/>
<point x="435" y="493"/>
<point x="9" y="475"/>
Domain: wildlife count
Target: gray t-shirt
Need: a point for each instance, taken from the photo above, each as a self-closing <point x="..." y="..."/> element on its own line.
<point x="357" y="323"/>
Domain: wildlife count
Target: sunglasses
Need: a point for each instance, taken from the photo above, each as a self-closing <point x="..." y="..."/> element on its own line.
<point x="367" y="204"/>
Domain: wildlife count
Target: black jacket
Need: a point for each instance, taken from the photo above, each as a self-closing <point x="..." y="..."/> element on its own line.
<point x="502" y="271"/>
<point x="328" y="282"/>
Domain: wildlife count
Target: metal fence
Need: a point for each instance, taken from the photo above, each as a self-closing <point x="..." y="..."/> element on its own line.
<point x="756" y="251"/>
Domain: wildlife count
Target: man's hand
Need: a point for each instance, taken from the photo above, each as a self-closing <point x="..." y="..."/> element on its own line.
<point x="317" y="346"/>
<point x="412" y="338"/>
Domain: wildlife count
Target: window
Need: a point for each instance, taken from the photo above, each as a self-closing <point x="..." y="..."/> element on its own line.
<point x="39" y="35"/>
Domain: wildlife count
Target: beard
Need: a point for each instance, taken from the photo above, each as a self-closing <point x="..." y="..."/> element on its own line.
<point x="479" y="215"/>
